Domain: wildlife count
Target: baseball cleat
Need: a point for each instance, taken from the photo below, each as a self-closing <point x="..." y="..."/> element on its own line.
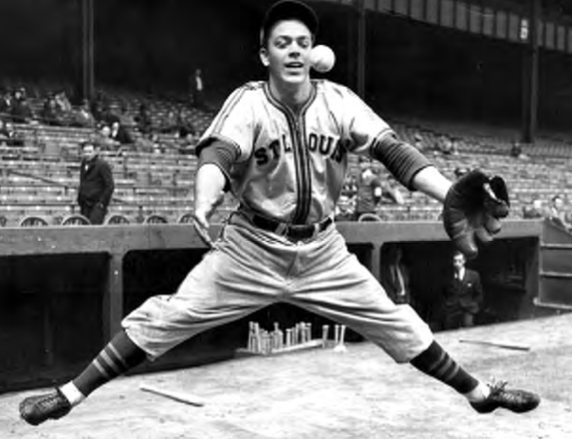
<point x="518" y="401"/>
<point x="37" y="409"/>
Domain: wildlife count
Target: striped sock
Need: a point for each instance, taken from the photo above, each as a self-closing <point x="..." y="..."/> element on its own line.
<point x="120" y="355"/>
<point x="436" y="362"/>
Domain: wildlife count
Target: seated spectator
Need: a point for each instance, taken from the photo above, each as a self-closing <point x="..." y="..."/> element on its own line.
<point x="418" y="142"/>
<point x="149" y="143"/>
<point x="143" y="119"/>
<point x="446" y="145"/>
<point x="51" y="114"/>
<point x="121" y="134"/>
<point x="186" y="141"/>
<point x="6" y="106"/>
<point x="101" y="109"/>
<point x="21" y="109"/>
<point x="370" y="191"/>
<point x="10" y="137"/>
<point x="350" y="186"/>
<point x="103" y="140"/>
<point x="184" y="124"/>
<point x="125" y="118"/>
<point x="516" y="151"/>
<point x="62" y="102"/>
<point x="82" y="117"/>
<point x="109" y="115"/>
<point x="176" y="122"/>
<point x="557" y="212"/>
<point x="533" y="210"/>
<point x="96" y="106"/>
<point x="345" y="209"/>
<point x="170" y="124"/>
<point x="391" y="192"/>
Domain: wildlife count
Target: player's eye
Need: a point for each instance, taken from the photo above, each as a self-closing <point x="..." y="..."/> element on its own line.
<point x="282" y="43"/>
<point x="304" y="42"/>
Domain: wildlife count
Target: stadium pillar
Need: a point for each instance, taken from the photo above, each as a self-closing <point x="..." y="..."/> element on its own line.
<point x="87" y="49"/>
<point x="530" y="73"/>
<point x="361" y="49"/>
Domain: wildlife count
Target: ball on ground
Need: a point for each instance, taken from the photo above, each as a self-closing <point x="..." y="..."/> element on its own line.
<point x="322" y="58"/>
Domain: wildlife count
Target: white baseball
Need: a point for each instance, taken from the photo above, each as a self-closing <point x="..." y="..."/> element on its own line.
<point x="322" y="58"/>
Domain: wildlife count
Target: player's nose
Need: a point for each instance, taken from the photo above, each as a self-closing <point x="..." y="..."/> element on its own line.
<point x="294" y="53"/>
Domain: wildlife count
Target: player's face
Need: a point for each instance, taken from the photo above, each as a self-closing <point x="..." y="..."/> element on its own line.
<point x="287" y="53"/>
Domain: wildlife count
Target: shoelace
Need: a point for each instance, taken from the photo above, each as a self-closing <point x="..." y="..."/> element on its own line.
<point x="498" y="387"/>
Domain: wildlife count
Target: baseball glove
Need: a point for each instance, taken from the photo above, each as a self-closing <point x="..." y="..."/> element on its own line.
<point x="473" y="207"/>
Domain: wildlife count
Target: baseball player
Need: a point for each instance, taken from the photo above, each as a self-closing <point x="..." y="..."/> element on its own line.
<point x="281" y="146"/>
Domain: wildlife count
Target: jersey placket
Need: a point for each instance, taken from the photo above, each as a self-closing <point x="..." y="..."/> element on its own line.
<point x="302" y="168"/>
<point x="297" y="130"/>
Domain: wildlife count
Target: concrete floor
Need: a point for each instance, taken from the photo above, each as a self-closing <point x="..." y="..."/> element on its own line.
<point x="320" y="393"/>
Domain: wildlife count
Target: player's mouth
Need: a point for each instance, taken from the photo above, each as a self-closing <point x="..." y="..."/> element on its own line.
<point x="294" y="65"/>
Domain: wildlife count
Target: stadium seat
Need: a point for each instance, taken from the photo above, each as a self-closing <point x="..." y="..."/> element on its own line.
<point x="75" y="220"/>
<point x="33" y="221"/>
<point x="155" y="219"/>
<point x="117" y="219"/>
<point x="369" y="217"/>
<point x="185" y="218"/>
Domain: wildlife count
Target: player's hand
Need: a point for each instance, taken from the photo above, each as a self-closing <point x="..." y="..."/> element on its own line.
<point x="201" y="216"/>
<point x="473" y="208"/>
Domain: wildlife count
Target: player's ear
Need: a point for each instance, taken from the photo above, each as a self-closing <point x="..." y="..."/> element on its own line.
<point x="264" y="56"/>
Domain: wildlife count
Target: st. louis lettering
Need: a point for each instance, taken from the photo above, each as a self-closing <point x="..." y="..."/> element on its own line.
<point x="320" y="143"/>
<point x="336" y="149"/>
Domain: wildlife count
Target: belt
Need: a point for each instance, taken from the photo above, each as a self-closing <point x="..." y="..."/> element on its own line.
<point x="291" y="231"/>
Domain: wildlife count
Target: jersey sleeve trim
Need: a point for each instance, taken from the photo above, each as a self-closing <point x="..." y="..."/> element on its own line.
<point x="217" y="137"/>
<point x="401" y="159"/>
<point x="380" y="137"/>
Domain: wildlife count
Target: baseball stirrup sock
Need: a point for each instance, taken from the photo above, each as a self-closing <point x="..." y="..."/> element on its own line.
<point x="120" y="355"/>
<point x="436" y="362"/>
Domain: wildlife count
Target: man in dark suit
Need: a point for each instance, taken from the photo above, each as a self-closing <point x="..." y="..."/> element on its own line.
<point x="463" y="295"/>
<point x="95" y="185"/>
<point x="394" y="276"/>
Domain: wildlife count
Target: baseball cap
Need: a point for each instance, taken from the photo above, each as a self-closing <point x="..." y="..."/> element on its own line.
<point x="287" y="10"/>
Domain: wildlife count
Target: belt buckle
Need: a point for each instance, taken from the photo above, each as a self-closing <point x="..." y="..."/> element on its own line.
<point x="282" y="229"/>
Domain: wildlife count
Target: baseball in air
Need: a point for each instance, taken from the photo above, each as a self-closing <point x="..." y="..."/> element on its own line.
<point x="322" y="58"/>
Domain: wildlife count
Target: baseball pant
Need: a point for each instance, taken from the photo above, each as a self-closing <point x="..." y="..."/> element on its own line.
<point x="251" y="268"/>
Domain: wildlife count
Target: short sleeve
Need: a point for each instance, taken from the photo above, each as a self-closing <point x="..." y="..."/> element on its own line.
<point x="235" y="122"/>
<point x="363" y="124"/>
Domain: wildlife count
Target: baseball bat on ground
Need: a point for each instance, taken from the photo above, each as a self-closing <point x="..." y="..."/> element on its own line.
<point x="513" y="346"/>
<point x="176" y="396"/>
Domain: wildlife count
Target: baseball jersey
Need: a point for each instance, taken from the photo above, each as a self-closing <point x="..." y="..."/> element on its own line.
<point x="291" y="166"/>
